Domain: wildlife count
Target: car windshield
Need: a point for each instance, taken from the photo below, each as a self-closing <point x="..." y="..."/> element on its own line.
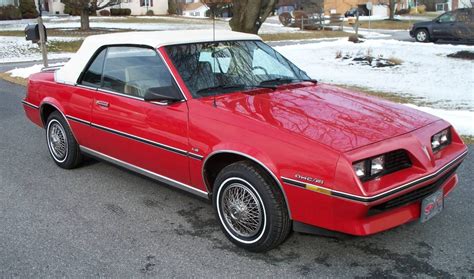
<point x="216" y="68"/>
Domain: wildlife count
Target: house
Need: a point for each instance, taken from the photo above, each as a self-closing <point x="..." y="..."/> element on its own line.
<point x="196" y="9"/>
<point x="141" y="7"/>
<point x="48" y="6"/>
<point x="379" y="8"/>
<point x="53" y="7"/>
<point x="445" y="5"/>
<point x="138" y="7"/>
<point x="9" y="2"/>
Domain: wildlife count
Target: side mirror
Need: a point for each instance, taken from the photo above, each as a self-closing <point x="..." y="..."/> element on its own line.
<point x="167" y="94"/>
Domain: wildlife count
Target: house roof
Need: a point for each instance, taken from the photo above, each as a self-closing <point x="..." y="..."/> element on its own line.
<point x="71" y="71"/>
<point x="193" y="6"/>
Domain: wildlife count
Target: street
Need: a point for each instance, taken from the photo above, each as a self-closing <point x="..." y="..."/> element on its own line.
<point x="102" y="221"/>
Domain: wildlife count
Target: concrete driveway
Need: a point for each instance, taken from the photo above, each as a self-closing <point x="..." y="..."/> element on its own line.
<point x="102" y="221"/>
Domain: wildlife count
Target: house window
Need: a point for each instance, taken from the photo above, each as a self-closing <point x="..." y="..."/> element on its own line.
<point x="146" y="3"/>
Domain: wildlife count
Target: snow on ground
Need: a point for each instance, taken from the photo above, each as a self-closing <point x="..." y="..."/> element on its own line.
<point x="462" y="120"/>
<point x="26" y="72"/>
<point x="17" y="49"/>
<point x="426" y="74"/>
<point x="157" y="23"/>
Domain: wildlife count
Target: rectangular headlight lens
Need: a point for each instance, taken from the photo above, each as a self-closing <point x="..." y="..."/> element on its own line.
<point x="359" y="169"/>
<point x="377" y="165"/>
<point x="370" y="167"/>
<point x="440" y="140"/>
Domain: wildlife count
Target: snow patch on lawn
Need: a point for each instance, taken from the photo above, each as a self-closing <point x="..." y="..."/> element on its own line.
<point x="17" y="49"/>
<point x="426" y="74"/>
<point x="462" y="120"/>
<point x="28" y="71"/>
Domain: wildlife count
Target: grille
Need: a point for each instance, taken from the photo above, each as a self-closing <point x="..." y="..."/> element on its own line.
<point x="397" y="160"/>
<point x="412" y="196"/>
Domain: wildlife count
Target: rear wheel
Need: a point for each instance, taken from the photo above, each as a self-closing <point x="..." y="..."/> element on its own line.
<point x="62" y="145"/>
<point x="421" y="35"/>
<point x="251" y="209"/>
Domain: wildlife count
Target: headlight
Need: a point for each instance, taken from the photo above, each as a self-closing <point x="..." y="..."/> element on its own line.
<point x="373" y="167"/>
<point x="377" y="165"/>
<point x="369" y="168"/>
<point x="440" y="140"/>
<point x="359" y="169"/>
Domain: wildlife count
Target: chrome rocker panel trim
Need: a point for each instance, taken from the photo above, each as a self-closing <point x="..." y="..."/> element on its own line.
<point x="145" y="172"/>
<point x="28" y="104"/>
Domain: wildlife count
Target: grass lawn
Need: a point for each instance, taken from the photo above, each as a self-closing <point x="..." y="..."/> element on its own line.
<point x="386" y="24"/>
<point x="16" y="80"/>
<point x="64" y="46"/>
<point x="306" y="35"/>
<point x="73" y="32"/>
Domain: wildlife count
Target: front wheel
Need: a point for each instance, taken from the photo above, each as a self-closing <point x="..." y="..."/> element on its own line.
<point x="422" y="36"/>
<point x="250" y="207"/>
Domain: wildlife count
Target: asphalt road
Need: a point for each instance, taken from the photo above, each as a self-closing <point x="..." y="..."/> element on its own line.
<point x="100" y="220"/>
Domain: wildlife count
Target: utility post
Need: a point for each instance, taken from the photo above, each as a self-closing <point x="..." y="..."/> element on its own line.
<point x="42" y="41"/>
<point x="357" y="24"/>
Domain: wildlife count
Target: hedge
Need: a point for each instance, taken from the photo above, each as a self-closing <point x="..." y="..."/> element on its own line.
<point x="120" y="12"/>
<point x="9" y="12"/>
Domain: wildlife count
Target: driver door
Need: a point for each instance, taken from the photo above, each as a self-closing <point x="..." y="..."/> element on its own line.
<point x="151" y="136"/>
<point x="444" y="26"/>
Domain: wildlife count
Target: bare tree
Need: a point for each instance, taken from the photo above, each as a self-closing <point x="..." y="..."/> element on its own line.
<point x="216" y="6"/>
<point x="88" y="7"/>
<point x="249" y="15"/>
<point x="391" y="7"/>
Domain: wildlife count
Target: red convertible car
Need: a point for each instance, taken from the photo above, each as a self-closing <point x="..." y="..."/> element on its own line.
<point x="230" y="119"/>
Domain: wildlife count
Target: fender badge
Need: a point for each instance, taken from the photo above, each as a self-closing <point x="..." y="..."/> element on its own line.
<point x="309" y="179"/>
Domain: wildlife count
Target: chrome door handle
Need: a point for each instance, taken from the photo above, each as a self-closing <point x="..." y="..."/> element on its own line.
<point x="102" y="104"/>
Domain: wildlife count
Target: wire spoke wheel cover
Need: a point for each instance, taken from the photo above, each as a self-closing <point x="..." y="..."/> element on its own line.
<point x="241" y="210"/>
<point x="57" y="141"/>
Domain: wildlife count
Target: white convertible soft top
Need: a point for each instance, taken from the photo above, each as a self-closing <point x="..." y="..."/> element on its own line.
<point x="71" y="71"/>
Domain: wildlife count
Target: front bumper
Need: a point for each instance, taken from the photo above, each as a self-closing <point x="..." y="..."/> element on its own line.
<point x="362" y="216"/>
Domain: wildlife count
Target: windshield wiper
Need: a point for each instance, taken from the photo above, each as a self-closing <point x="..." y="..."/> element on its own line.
<point x="220" y="87"/>
<point x="277" y="81"/>
<point x="307" y="79"/>
<point x="232" y="86"/>
<point x="286" y="80"/>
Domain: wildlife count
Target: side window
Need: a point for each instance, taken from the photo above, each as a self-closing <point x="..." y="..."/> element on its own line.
<point x="463" y="16"/>
<point x="93" y="75"/>
<point x="447" y="17"/>
<point x="136" y="70"/>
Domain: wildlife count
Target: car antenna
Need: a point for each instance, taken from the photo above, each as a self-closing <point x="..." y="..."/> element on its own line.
<point x="212" y="7"/>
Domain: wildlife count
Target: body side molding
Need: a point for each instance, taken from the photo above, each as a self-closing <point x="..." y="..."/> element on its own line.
<point x="145" y="172"/>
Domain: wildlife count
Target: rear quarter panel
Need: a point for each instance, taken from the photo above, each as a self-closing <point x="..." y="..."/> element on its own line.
<point x="69" y="100"/>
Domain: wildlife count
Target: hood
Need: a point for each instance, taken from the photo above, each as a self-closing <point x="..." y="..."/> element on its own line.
<point x="336" y="117"/>
<point x="423" y="23"/>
